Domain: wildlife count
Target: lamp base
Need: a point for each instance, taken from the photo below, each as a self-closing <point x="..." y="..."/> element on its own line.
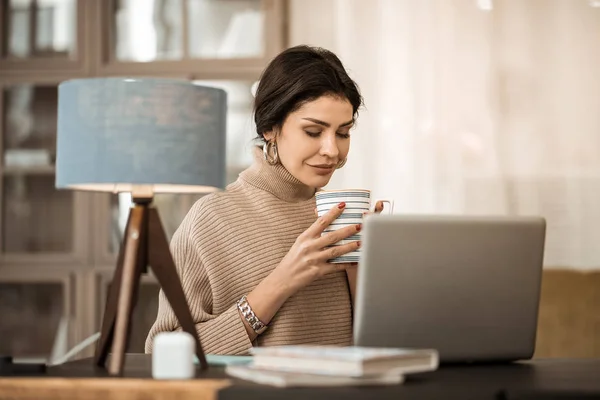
<point x="144" y="243"/>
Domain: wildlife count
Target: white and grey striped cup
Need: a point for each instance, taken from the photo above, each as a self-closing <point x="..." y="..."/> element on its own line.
<point x="358" y="201"/>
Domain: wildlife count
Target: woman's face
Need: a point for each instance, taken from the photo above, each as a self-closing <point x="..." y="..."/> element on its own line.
<point x="314" y="139"/>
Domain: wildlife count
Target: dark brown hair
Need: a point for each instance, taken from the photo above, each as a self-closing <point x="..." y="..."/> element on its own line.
<point x="298" y="75"/>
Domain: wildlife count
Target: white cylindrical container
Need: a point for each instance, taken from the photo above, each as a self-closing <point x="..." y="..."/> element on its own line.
<point x="173" y="356"/>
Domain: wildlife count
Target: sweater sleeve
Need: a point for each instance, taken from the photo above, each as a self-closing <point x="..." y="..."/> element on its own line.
<point x="222" y="333"/>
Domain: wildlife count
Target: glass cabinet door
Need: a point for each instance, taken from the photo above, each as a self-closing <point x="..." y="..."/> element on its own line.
<point x="40" y="28"/>
<point x="31" y="313"/>
<point x="42" y="35"/>
<point x="153" y="30"/>
<point x="225" y="29"/>
<point x="36" y="218"/>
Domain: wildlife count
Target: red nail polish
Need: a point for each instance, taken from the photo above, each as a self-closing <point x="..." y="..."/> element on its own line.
<point x="358" y="227"/>
<point x="341" y="205"/>
<point x="358" y="244"/>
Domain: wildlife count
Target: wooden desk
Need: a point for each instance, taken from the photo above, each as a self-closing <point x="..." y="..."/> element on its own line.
<point x="540" y="379"/>
<point x="80" y="380"/>
<point x="101" y="389"/>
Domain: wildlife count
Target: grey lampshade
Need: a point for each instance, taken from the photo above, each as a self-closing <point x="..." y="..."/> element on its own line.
<point x="117" y="134"/>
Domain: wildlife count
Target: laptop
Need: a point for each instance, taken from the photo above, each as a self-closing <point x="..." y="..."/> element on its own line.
<point x="468" y="286"/>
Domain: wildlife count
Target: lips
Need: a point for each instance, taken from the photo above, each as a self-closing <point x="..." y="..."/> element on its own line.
<point x="324" y="166"/>
<point x="323" y="169"/>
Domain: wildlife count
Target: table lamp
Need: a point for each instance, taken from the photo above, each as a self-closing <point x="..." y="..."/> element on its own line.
<point x="142" y="136"/>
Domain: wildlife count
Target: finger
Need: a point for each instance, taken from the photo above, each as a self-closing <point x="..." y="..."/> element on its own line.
<point x="325" y="220"/>
<point x="379" y="207"/>
<point x="333" y="237"/>
<point x="316" y="212"/>
<point x="337" y="251"/>
<point x="338" y="267"/>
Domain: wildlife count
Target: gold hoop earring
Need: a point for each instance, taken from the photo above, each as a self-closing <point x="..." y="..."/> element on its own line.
<point x="268" y="148"/>
<point x="341" y="163"/>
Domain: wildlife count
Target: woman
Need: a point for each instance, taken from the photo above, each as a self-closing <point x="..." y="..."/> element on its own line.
<point x="251" y="259"/>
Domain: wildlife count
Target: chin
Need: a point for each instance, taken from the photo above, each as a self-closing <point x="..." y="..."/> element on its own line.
<point x="317" y="181"/>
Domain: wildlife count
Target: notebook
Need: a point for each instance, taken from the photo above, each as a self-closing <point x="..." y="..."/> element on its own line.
<point x="293" y="379"/>
<point x="344" y="361"/>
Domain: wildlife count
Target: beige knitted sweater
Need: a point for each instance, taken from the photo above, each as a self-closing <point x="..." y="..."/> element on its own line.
<point x="229" y="242"/>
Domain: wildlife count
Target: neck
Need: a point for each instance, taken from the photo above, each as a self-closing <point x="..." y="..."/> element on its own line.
<point x="276" y="180"/>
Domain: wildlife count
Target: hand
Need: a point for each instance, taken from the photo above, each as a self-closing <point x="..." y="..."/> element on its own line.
<point x="305" y="262"/>
<point x="352" y="273"/>
<point x="307" y="259"/>
<point x="378" y="209"/>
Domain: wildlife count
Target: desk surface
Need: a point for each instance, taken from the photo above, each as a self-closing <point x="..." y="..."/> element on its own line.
<point x="540" y="379"/>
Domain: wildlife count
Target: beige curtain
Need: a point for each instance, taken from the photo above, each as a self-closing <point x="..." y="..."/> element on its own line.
<point x="471" y="110"/>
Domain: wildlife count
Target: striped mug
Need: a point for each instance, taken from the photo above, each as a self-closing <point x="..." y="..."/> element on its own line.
<point x="358" y="201"/>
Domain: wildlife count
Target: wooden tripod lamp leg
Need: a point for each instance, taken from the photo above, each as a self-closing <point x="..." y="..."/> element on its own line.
<point x="161" y="262"/>
<point x="110" y="310"/>
<point x="128" y="286"/>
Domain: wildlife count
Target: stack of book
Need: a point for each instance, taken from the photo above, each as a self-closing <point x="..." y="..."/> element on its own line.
<point x="287" y="366"/>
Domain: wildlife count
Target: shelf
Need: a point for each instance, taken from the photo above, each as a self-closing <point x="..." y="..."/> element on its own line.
<point x="57" y="232"/>
<point x="33" y="170"/>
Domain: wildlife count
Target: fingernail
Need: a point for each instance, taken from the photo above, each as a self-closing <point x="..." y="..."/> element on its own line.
<point x="358" y="227"/>
<point x="341" y="205"/>
<point x="358" y="243"/>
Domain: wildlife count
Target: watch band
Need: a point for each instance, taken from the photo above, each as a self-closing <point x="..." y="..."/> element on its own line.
<point x="250" y="317"/>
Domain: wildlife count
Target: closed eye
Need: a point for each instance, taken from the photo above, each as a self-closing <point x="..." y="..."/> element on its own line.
<point x="343" y="135"/>
<point x="313" y="133"/>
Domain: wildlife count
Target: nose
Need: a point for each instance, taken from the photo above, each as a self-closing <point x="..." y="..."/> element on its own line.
<point x="329" y="146"/>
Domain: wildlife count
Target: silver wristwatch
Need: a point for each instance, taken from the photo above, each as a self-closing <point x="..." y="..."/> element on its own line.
<point x="250" y="317"/>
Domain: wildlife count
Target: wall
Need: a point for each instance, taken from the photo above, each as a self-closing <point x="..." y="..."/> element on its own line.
<point x="473" y="111"/>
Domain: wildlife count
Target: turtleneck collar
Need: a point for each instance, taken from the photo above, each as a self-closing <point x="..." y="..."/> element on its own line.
<point x="276" y="180"/>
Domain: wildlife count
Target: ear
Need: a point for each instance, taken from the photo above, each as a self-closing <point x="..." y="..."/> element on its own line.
<point x="269" y="135"/>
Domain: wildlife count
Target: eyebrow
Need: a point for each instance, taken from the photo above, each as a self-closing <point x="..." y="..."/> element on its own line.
<point x="327" y="124"/>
